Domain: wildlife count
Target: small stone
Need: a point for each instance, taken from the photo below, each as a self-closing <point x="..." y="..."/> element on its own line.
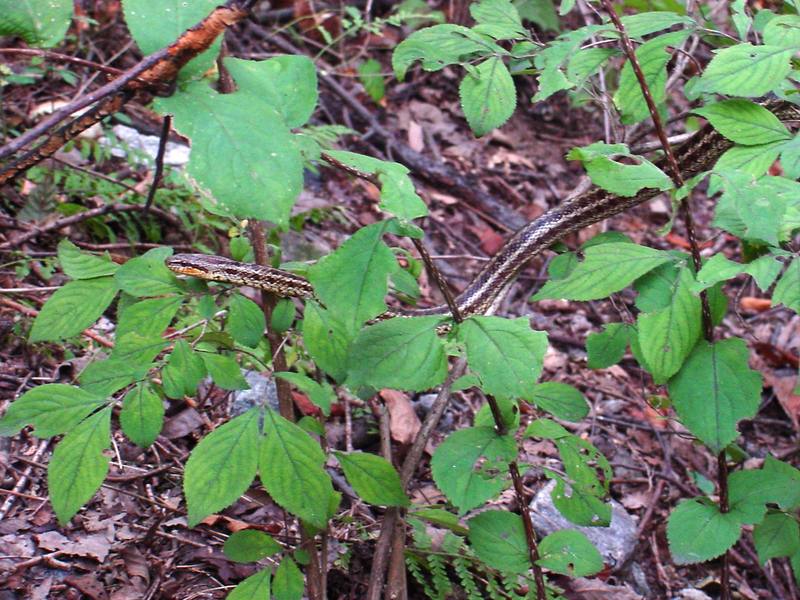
<point x="263" y="391"/>
<point x="615" y="543"/>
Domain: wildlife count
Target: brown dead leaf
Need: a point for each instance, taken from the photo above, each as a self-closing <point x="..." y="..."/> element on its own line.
<point x="88" y="585"/>
<point x="490" y="240"/>
<point x="94" y="546"/>
<point x="404" y="423"/>
<point x="595" y="589"/>
<point x="751" y="304"/>
<point x="416" y="139"/>
<point x="135" y="564"/>
<point x="784" y="386"/>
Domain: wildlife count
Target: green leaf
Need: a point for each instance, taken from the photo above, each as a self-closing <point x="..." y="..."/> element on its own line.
<point x="488" y="96"/>
<point x="147" y="318"/>
<point x="225" y="371"/>
<point x="250" y="545"/>
<point x="146" y="275"/>
<point x="498" y="538"/>
<point x="744" y="161"/>
<point x="353" y="280"/>
<point x="370" y="76"/>
<point x="714" y="390"/>
<point x="764" y="271"/>
<point x="83" y="265"/>
<point x="505" y="353"/>
<point x="744" y="122"/>
<point x="616" y="177"/>
<point x="373" y="478"/>
<point x="282" y="315"/>
<point x="697" y="531"/>
<point x="787" y="291"/>
<point x="746" y="70"/>
<point x="667" y="336"/>
<point x="584" y="63"/>
<point x="570" y="553"/>
<point x="287" y="83"/>
<point x="290" y="465"/>
<point x="400" y="353"/>
<point x="783" y="30"/>
<point x="156" y="26"/>
<point x="653" y="58"/>
<point x="398" y="195"/>
<point x="716" y="269"/>
<point x="105" y="377"/>
<point x="607" y="347"/>
<point x="498" y="19"/>
<point x="645" y="23"/>
<point x="142" y="415"/>
<point x="748" y="493"/>
<point x="51" y="408"/>
<point x="540" y="12"/>
<point x="78" y="465"/>
<point x="38" y="22"/>
<point x="777" y="535"/>
<point x="255" y="587"/>
<point x="246" y="321"/>
<point x="288" y="582"/>
<point x="463" y="465"/>
<point x="606" y="268"/>
<point x="560" y="400"/>
<point x="72" y="309"/>
<point x="321" y="394"/>
<point x="437" y="47"/>
<point x="263" y="173"/>
<point x="784" y="483"/>
<point x="183" y="371"/>
<point x="221" y="467"/>
<point x="327" y="339"/>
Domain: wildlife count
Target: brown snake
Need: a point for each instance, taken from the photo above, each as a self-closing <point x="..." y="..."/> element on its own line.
<point x="697" y="154"/>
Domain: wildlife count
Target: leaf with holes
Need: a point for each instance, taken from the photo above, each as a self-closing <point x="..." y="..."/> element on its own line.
<point x="570" y="553"/>
<point x="498" y="538"/>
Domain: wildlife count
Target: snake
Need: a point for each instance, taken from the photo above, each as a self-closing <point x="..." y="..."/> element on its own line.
<point x="697" y="154"/>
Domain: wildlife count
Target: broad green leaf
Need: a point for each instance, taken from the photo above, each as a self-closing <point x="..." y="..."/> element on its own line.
<point x="400" y="353"/>
<point x="498" y="19"/>
<point x="505" y="353"/>
<point x="546" y="429"/>
<point x="743" y="161"/>
<point x="154" y="26"/>
<point x="287" y="83"/>
<point x="38" y="22"/>
<point x="716" y="269"/>
<point x="777" y="535"/>
<point x="607" y="348"/>
<point x="370" y="76"/>
<point x="250" y="545"/>
<point x="764" y="271"/>
<point x="142" y="415"/>
<point x="744" y="122"/>
<point x="441" y="518"/>
<point x="225" y="371"/>
<point x="288" y="582"/>
<point x="51" y="408"/>
<point x="137" y="350"/>
<point x="645" y="23"/>
<point x="327" y="338"/>
<point x="741" y="19"/>
<point x="540" y="12"/>
<point x="353" y="281"/>
<point x="570" y="553"/>
<point x="746" y="70"/>
<point x="78" y="465"/>
<point x="437" y="47"/>
<point x="787" y="291"/>
<point x="697" y="531"/>
<point x="748" y="493"/>
<point x="488" y="96"/>
<point x="783" y="30"/>
<point x="373" y="478"/>
<point x="606" y="268"/>
<point x="561" y="400"/>
<point x="398" y="196"/>
<point x="72" y="309"/>
<point x="146" y="275"/>
<point x="616" y="177"/>
<point x="656" y="287"/>
<point x="282" y="315"/>
<point x="105" y="377"/>
<point x="468" y="465"/>
<point x="255" y="587"/>
<point x="183" y="371"/>
<point x="83" y="265"/>
<point x="584" y="63"/>
<point x="290" y="465"/>
<point x="246" y="321"/>
<point x="222" y="466"/>
<point x="242" y="151"/>
<point x="653" y="58"/>
<point x="667" y="336"/>
<point x="509" y="413"/>
<point x="714" y="390"/>
<point x="498" y="538"/>
<point x="785" y="483"/>
<point x="321" y="394"/>
<point x="147" y="318"/>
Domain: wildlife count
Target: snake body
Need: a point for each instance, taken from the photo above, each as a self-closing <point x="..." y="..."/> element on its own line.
<point x="697" y="154"/>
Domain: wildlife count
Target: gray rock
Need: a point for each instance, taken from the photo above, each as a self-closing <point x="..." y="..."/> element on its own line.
<point x="615" y="542"/>
<point x="262" y="390"/>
